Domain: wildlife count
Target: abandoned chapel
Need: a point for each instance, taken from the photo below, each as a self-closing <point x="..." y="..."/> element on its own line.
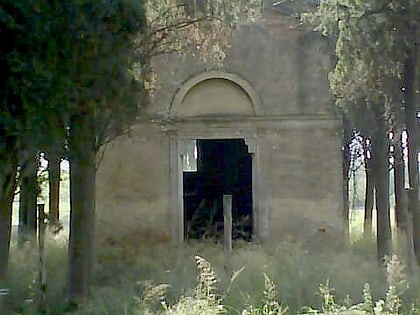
<point x="261" y="129"/>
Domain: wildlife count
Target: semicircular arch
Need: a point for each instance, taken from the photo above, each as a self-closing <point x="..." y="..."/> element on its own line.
<point x="215" y="93"/>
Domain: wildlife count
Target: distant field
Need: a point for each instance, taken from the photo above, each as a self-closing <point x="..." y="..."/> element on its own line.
<point x="356" y="218"/>
<point x="43" y="198"/>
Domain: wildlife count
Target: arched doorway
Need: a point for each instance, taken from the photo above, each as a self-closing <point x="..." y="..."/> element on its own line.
<point x="211" y="110"/>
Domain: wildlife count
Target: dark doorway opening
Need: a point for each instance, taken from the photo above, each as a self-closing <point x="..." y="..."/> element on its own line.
<point x="223" y="166"/>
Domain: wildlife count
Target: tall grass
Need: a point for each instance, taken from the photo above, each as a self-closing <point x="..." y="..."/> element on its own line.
<point x="126" y="277"/>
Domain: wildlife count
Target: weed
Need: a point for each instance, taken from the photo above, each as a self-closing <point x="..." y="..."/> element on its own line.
<point x="126" y="277"/>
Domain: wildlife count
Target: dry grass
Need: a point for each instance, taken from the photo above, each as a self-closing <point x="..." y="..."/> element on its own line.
<point x="124" y="272"/>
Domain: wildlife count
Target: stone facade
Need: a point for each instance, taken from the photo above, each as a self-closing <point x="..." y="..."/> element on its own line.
<point x="273" y="93"/>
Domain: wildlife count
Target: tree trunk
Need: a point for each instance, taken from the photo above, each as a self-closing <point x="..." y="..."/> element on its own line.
<point x="7" y="189"/>
<point x="400" y="215"/>
<point x="5" y="228"/>
<point x="23" y="217"/>
<point x="54" y="186"/>
<point x="346" y="167"/>
<point x="82" y="202"/>
<point x="413" y="144"/>
<point x="381" y="175"/>
<point x="28" y="194"/>
<point x="369" y="194"/>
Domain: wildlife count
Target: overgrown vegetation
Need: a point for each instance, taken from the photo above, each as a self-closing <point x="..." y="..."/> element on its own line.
<point x="63" y="81"/>
<point x="283" y="279"/>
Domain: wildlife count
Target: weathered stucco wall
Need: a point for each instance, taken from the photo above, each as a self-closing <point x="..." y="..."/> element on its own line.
<point x="300" y="165"/>
<point x="132" y="186"/>
<point x="285" y="108"/>
<point x="299" y="178"/>
<point x="287" y="68"/>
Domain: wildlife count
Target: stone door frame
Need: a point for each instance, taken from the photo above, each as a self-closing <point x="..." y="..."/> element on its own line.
<point x="178" y="141"/>
<point x="182" y="129"/>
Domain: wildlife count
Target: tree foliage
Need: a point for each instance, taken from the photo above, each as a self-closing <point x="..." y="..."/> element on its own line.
<point x="373" y="81"/>
<point x="75" y="74"/>
<point x="371" y="40"/>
